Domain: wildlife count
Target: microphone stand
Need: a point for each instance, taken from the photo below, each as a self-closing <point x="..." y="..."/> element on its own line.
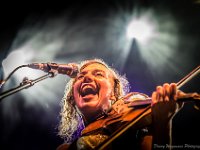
<point x="26" y="83"/>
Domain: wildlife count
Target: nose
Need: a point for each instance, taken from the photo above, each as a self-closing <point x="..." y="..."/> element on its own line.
<point x="88" y="78"/>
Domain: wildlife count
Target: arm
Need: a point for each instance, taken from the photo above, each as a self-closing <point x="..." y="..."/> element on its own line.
<point x="164" y="107"/>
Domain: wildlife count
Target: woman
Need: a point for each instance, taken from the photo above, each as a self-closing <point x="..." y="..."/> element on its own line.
<point x="96" y="104"/>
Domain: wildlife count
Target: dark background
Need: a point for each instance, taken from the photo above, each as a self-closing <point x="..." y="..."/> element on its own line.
<point x="87" y="30"/>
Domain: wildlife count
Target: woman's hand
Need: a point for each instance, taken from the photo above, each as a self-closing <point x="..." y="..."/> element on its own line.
<point x="164" y="107"/>
<point x="165" y="98"/>
<point x="165" y="93"/>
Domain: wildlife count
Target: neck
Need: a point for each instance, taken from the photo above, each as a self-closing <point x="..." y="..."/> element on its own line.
<point x="91" y="118"/>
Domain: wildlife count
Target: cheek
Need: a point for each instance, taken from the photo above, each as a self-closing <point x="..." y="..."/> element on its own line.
<point x="107" y="89"/>
<point x="75" y="90"/>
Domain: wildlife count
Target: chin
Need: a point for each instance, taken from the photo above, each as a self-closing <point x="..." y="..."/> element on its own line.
<point x="89" y="106"/>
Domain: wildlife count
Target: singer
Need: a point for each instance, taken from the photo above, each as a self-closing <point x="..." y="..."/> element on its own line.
<point x="96" y="104"/>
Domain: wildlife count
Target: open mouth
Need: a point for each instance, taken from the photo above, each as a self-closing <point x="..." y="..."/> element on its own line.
<point x="88" y="89"/>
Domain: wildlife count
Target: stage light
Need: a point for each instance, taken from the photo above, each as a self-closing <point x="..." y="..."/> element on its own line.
<point x="140" y="29"/>
<point x="156" y="37"/>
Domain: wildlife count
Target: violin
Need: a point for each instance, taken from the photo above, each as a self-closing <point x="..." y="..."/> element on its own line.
<point x="145" y="111"/>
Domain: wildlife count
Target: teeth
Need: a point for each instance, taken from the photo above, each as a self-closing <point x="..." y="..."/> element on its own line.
<point x="87" y="89"/>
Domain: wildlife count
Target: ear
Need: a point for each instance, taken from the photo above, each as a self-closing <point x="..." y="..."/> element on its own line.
<point x="113" y="98"/>
<point x="117" y="88"/>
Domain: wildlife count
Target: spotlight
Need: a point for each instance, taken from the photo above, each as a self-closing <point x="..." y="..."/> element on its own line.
<point x="140" y="29"/>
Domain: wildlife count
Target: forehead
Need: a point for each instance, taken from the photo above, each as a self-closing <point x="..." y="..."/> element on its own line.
<point x="95" y="66"/>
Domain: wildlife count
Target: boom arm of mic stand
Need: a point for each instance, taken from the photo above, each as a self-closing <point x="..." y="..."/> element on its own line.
<point x="24" y="85"/>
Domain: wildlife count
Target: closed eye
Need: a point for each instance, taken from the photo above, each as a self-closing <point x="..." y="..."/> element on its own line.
<point x="99" y="73"/>
<point x="80" y="76"/>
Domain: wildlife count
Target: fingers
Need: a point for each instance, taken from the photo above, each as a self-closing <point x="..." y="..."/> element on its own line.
<point x="173" y="91"/>
<point x="166" y="92"/>
<point x="160" y="93"/>
<point x="154" y="98"/>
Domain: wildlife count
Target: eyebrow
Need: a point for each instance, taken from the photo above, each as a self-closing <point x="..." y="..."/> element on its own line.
<point x="96" y="70"/>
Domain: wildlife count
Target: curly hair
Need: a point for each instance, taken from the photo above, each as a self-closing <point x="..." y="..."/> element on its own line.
<point x="71" y="123"/>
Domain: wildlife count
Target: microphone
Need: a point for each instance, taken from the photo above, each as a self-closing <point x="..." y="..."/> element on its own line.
<point x="70" y="69"/>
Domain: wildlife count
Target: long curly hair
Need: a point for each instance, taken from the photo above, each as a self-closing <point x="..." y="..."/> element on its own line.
<point x="71" y="123"/>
